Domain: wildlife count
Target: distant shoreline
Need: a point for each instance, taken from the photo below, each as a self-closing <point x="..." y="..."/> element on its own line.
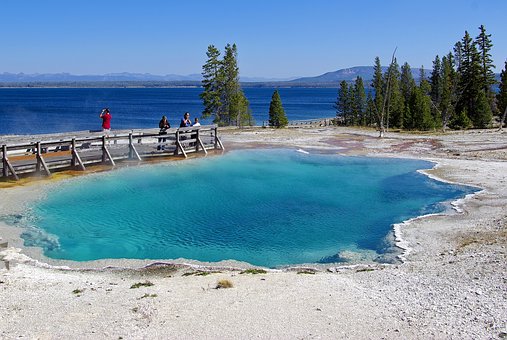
<point x="149" y="84"/>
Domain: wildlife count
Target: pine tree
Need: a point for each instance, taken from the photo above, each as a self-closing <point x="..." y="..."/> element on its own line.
<point x="469" y="79"/>
<point x="396" y="106"/>
<point x="483" y="114"/>
<point x="436" y="82"/>
<point x="212" y="83"/>
<point x="487" y="76"/>
<point x="277" y="117"/>
<point x="230" y="73"/>
<point x="222" y="96"/>
<point x="449" y="85"/>
<point x="420" y="109"/>
<point x="407" y="82"/>
<point x="352" y="106"/>
<point x="359" y="107"/>
<point x="408" y="117"/>
<point x="342" y="104"/>
<point x="501" y="97"/>
<point x="424" y="84"/>
<point x="369" y="118"/>
<point x="239" y="109"/>
<point x="461" y="120"/>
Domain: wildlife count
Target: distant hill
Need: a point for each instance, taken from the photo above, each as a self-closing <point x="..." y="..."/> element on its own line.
<point x="349" y="75"/>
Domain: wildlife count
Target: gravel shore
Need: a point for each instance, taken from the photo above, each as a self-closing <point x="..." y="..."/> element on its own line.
<point x="451" y="285"/>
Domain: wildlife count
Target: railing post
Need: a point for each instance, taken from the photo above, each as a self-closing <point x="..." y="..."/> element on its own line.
<point x="39" y="151"/>
<point x="216" y="137"/>
<point x="73" y="160"/>
<point x="76" y="157"/>
<point x="177" y="142"/>
<point x="105" y="153"/>
<point x="104" y="157"/>
<point x="40" y="161"/>
<point x="130" y="145"/>
<point x="7" y="165"/>
<point x="5" y="168"/>
<point x="197" y="141"/>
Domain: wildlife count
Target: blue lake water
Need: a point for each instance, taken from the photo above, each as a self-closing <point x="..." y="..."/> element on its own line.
<point x="265" y="207"/>
<point x="48" y="110"/>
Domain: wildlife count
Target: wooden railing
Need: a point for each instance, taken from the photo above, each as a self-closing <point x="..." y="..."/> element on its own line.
<point x="76" y="153"/>
<point x="308" y="122"/>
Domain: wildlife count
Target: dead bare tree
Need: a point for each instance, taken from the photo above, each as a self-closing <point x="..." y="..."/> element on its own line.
<point x="503" y="119"/>
<point x="445" y="117"/>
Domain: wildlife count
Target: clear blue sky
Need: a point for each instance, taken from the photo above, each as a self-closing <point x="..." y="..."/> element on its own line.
<point x="275" y="38"/>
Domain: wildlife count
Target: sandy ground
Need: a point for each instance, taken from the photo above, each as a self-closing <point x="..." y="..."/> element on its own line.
<point x="452" y="284"/>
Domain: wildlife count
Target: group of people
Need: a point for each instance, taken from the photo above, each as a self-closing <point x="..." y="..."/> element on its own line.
<point x="164" y="124"/>
<point x="186" y="122"/>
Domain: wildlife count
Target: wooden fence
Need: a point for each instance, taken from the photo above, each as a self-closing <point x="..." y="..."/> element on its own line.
<point x="76" y="153"/>
<point x="308" y="122"/>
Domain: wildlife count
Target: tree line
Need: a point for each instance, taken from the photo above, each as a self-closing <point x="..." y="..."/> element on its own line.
<point x="458" y="93"/>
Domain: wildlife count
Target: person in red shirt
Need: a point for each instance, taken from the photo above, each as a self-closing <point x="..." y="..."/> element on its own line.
<point x="106" y="121"/>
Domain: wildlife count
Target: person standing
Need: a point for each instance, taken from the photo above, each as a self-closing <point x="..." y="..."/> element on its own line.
<point x="196" y="122"/>
<point x="164" y="124"/>
<point x="106" y="121"/>
<point x="185" y="121"/>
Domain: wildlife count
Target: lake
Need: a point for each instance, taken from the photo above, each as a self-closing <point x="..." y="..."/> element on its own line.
<point x="49" y="110"/>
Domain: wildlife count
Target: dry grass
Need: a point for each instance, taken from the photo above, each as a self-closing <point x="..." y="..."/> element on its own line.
<point x="491" y="237"/>
<point x="224" y="284"/>
<point x="254" y="271"/>
<point x="141" y="284"/>
<point x="200" y="273"/>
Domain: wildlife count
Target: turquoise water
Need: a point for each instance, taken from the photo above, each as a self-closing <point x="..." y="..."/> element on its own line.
<point x="265" y="207"/>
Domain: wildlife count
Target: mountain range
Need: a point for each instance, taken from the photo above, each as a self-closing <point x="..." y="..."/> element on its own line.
<point x="329" y="78"/>
<point x="112" y="77"/>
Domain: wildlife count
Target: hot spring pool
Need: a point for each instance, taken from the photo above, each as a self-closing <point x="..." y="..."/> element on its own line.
<point x="264" y="207"/>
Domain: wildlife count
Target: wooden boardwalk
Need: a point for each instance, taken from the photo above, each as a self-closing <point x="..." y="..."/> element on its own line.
<point x="44" y="157"/>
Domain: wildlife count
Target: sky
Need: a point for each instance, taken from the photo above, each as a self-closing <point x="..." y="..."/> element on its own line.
<point x="275" y="38"/>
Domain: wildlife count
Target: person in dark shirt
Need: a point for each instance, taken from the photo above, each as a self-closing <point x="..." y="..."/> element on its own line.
<point x="164" y="124"/>
<point x="185" y="121"/>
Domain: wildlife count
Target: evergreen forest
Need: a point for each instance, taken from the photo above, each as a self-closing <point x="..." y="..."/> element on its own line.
<point x="458" y="94"/>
